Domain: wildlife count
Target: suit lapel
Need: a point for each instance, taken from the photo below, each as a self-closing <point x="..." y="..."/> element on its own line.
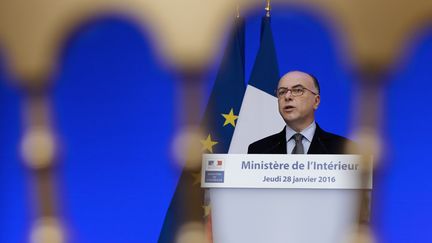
<point x="279" y="146"/>
<point x="317" y="146"/>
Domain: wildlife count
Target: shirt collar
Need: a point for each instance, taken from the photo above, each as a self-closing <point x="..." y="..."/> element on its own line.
<point x="308" y="132"/>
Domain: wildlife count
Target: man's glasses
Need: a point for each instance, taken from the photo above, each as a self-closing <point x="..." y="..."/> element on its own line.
<point x="298" y="91"/>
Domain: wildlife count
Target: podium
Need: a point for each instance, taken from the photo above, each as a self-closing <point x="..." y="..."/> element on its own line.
<point x="283" y="198"/>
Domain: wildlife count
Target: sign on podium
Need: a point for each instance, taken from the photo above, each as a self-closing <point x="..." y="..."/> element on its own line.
<point x="284" y="198"/>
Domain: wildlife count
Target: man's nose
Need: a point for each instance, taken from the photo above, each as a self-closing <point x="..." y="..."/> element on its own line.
<point x="288" y="95"/>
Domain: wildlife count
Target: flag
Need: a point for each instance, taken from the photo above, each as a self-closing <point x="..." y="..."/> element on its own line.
<point x="259" y="116"/>
<point x="219" y="119"/>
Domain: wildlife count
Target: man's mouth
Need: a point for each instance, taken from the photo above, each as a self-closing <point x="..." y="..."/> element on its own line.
<point x="289" y="108"/>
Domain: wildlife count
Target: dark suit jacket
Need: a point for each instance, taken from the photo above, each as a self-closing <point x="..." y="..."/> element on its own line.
<point x="322" y="143"/>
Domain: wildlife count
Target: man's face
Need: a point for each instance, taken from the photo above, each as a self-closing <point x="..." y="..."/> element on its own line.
<point x="298" y="111"/>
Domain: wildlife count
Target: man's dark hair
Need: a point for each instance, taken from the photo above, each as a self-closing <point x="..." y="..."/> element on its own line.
<point x="317" y="86"/>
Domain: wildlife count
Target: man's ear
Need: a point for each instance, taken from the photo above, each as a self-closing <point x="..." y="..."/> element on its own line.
<point x="317" y="102"/>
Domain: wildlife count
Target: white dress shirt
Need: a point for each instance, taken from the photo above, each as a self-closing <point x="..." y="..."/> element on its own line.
<point x="307" y="133"/>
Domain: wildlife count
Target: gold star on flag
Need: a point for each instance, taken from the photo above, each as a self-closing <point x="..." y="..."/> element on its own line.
<point x="208" y="144"/>
<point x="230" y="118"/>
<point x="197" y="178"/>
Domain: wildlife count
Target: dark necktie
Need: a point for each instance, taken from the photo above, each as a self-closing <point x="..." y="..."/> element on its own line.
<point x="298" y="149"/>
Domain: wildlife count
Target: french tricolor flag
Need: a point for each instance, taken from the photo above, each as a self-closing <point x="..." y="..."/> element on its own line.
<point x="259" y="116"/>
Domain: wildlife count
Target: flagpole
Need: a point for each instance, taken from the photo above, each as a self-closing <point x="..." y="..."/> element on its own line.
<point x="267" y="8"/>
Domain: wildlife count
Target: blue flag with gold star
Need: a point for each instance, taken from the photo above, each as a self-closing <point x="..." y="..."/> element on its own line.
<point x="219" y="120"/>
<point x="226" y="97"/>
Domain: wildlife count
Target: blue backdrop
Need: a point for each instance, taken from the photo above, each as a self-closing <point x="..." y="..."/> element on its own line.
<point x="114" y="109"/>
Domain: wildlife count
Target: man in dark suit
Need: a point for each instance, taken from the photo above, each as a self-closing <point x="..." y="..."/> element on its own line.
<point x="298" y="96"/>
